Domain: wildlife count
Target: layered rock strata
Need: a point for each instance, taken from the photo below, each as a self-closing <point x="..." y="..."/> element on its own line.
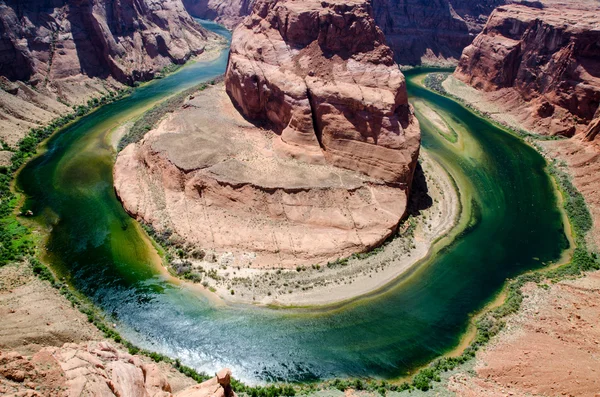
<point x="542" y="64"/>
<point x="321" y="75"/>
<point x="218" y="183"/>
<point x="55" y="54"/>
<point x="226" y="12"/>
<point x="43" y="41"/>
<point x="419" y="31"/>
<point x="431" y="32"/>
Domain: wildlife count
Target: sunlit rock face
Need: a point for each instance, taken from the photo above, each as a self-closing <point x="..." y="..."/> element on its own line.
<point x="321" y="75"/>
<point x="306" y="158"/>
<point x="545" y="61"/>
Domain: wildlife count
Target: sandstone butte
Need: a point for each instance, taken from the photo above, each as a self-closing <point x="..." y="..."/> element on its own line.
<point x="55" y="54"/>
<point x="329" y="171"/>
<point x="541" y="63"/>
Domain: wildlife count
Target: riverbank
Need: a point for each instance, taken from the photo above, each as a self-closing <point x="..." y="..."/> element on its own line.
<point x="575" y="156"/>
<point x="361" y="274"/>
<point x="49" y="347"/>
<point x="522" y="358"/>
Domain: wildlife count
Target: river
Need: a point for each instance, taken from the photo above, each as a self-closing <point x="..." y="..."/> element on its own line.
<point x="514" y="226"/>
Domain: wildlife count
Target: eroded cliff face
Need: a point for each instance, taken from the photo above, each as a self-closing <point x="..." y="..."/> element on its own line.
<point x="129" y="40"/>
<point x="54" y="53"/>
<point x="321" y="74"/>
<point x="431" y="32"/>
<point x="227" y="12"/>
<point x="542" y="64"/>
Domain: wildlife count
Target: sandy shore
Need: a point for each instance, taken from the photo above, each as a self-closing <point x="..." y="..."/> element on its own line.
<point x="324" y="285"/>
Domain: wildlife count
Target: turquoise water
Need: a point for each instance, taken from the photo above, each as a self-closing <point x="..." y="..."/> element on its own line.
<point x="515" y="226"/>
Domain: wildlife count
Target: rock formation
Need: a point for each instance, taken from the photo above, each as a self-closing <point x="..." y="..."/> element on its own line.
<point x="97" y="369"/>
<point x="220" y="184"/>
<point x="227" y="12"/>
<point x="56" y="53"/>
<point x="419" y="31"/>
<point x="331" y="173"/>
<point x="43" y="41"/>
<point x="320" y="73"/>
<point x="541" y="63"/>
<point x="424" y="31"/>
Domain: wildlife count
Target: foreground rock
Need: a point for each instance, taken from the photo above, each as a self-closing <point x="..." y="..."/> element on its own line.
<point x="55" y="54"/>
<point x="541" y="64"/>
<point x="97" y="369"/>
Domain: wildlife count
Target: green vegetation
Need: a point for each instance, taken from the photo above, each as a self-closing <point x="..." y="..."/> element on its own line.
<point x="15" y="239"/>
<point x="172" y="68"/>
<point x="434" y="81"/>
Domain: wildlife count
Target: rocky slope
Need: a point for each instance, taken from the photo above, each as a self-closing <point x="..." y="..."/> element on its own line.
<point x="54" y="54"/>
<point x="540" y="63"/>
<point x="96" y="369"/>
<point x="331" y="173"/>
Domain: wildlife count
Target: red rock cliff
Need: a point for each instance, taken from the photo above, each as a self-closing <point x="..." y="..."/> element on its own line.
<point x="425" y="31"/>
<point x="419" y="31"/>
<point x="548" y="57"/>
<point x="321" y="74"/>
<point x="227" y="12"/>
<point x="128" y="39"/>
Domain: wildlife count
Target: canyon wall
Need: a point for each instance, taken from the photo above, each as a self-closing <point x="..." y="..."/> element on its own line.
<point x="42" y="41"/>
<point x="227" y="12"/>
<point x="54" y="53"/>
<point x="431" y="32"/>
<point x="419" y="31"/>
<point x="540" y="63"/>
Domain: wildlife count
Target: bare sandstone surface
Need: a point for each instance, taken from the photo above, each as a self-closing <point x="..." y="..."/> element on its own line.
<point x="323" y="171"/>
<point x="215" y="179"/>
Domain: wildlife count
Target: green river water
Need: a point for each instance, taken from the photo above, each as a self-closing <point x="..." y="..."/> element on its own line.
<point x="514" y="226"/>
